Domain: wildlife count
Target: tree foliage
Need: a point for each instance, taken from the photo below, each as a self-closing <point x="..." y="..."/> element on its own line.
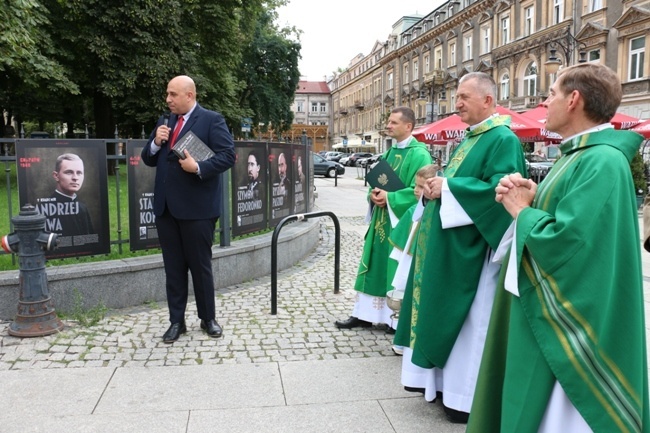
<point x="108" y="63"/>
<point x="270" y="71"/>
<point x="29" y="73"/>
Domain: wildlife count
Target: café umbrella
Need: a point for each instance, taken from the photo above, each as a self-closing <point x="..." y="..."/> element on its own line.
<point x="452" y="128"/>
<point x="643" y="128"/>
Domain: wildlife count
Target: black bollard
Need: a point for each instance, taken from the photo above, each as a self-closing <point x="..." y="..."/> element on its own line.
<point x="36" y="316"/>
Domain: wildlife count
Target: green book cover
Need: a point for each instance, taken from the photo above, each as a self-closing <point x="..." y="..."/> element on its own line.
<point x="384" y="177"/>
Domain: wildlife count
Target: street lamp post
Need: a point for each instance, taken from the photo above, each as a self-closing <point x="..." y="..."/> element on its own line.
<point x="568" y="43"/>
<point x="423" y="100"/>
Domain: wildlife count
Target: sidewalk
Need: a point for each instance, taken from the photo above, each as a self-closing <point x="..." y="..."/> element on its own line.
<point x="294" y="372"/>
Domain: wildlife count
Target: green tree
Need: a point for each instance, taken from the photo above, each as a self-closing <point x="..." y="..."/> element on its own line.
<point x="122" y="54"/>
<point x="638" y="174"/>
<point x="270" y="71"/>
<point x="29" y="71"/>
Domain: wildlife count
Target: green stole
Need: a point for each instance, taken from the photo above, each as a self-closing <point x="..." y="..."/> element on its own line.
<point x="447" y="263"/>
<point x="579" y="318"/>
<point x="464" y="148"/>
<point x="376" y="271"/>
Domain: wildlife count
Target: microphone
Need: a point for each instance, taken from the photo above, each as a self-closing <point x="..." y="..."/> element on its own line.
<point x="165" y="122"/>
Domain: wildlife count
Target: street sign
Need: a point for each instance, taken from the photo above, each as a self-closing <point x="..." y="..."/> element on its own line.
<point x="246" y="124"/>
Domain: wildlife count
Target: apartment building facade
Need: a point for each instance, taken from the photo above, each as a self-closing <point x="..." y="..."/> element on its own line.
<point x="311" y="114"/>
<point x="521" y="43"/>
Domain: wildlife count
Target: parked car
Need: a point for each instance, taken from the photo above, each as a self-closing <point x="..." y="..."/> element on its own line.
<point x="363" y="162"/>
<point x="538" y="167"/>
<point x="344" y="159"/>
<point x="352" y="160"/>
<point x="338" y="157"/>
<point x="323" y="167"/>
<point x="329" y="155"/>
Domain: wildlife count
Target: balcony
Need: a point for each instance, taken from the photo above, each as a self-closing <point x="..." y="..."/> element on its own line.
<point x="359" y="105"/>
<point x="532" y="101"/>
<point x="343" y="111"/>
<point x="435" y="75"/>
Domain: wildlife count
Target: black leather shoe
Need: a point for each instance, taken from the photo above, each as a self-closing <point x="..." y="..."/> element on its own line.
<point x="390" y="331"/>
<point x="352" y="322"/>
<point x="174" y="331"/>
<point x="212" y="328"/>
<point x="411" y="389"/>
<point x="456" y="416"/>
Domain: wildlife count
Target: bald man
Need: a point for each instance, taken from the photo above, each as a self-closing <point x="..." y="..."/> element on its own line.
<point x="187" y="203"/>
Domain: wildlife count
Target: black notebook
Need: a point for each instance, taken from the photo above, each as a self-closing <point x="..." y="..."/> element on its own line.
<point x="194" y="145"/>
<point x="384" y="177"/>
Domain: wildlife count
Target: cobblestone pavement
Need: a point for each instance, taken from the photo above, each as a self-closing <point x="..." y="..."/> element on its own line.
<point x="303" y="329"/>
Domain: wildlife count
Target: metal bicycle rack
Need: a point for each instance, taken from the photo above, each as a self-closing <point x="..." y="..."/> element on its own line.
<point x="274" y="252"/>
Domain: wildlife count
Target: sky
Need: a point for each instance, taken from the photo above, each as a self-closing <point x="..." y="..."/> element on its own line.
<point x="335" y="31"/>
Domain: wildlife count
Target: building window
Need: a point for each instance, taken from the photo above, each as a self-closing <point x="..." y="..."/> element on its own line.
<point x="438" y="60"/>
<point x="594" y="56"/>
<point x="505" y="86"/>
<point x="452" y="98"/>
<point x="314" y="107"/>
<point x="530" y="80"/>
<point x="300" y="107"/>
<point x="505" y="30"/>
<point x="558" y="11"/>
<point x="486" y="40"/>
<point x="595" y="5"/>
<point x="427" y="64"/>
<point x="389" y="80"/>
<point x="406" y="73"/>
<point x="452" y="53"/>
<point x="323" y="107"/>
<point x="637" y="58"/>
<point x="529" y="21"/>
<point x="468" y="48"/>
<point x="416" y="70"/>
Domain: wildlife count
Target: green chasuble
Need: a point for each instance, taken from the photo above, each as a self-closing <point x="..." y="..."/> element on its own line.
<point x="448" y="262"/>
<point x="400" y="234"/>
<point x="376" y="271"/>
<point x="579" y="318"/>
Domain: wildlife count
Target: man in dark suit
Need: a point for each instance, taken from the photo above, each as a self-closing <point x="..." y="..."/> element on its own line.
<point x="187" y="202"/>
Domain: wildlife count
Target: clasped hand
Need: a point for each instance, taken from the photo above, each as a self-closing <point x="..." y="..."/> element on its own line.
<point x="433" y="187"/>
<point x="515" y="193"/>
<point x="378" y="197"/>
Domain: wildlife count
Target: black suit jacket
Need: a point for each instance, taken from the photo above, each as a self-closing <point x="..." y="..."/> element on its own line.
<point x="187" y="195"/>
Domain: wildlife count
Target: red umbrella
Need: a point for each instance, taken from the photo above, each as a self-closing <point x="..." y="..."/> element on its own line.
<point x="525" y="128"/>
<point x="453" y="129"/>
<point x="620" y="120"/>
<point x="432" y="133"/>
<point x="538" y="113"/>
<point x="623" y="121"/>
<point x="643" y="128"/>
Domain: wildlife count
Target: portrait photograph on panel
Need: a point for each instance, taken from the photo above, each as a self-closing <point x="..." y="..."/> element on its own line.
<point x="299" y="159"/>
<point x="281" y="174"/>
<point x="66" y="181"/>
<point x="143" y="234"/>
<point x="249" y="188"/>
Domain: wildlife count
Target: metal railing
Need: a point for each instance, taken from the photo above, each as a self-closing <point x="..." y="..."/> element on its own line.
<point x="274" y="252"/>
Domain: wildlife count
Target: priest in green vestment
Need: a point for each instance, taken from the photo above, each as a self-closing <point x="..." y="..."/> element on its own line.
<point x="449" y="293"/>
<point x="376" y="271"/>
<point x="566" y="348"/>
